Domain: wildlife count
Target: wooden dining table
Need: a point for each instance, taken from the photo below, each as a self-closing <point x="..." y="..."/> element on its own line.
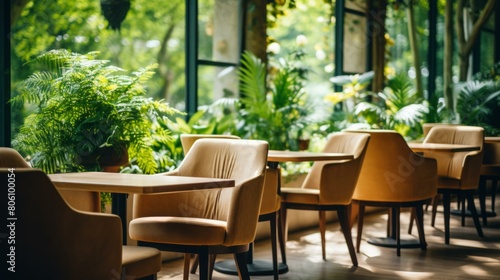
<point x="441" y="147"/>
<point x="492" y="139"/>
<point x="120" y="185"/>
<point x="274" y="157"/>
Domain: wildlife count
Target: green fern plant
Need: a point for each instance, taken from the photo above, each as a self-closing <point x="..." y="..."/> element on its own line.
<point x="83" y="106"/>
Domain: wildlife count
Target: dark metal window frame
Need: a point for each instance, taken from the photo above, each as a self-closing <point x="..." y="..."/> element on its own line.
<point x="192" y="59"/>
<point x="5" y="111"/>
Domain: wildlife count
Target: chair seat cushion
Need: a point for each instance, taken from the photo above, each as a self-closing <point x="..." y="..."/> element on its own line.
<point x="140" y="261"/>
<point x="300" y="195"/>
<point x="178" y="230"/>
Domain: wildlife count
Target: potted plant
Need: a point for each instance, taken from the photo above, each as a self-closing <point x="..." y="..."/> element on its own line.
<point x="87" y="111"/>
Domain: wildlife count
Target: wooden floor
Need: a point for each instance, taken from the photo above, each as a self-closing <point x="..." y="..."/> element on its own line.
<point x="467" y="257"/>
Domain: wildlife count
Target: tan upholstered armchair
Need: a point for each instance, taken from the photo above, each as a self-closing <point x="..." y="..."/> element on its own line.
<point x="269" y="207"/>
<point x="61" y="241"/>
<point x="210" y="221"/>
<point x="330" y="185"/>
<point x="490" y="171"/>
<point x="458" y="172"/>
<point x="55" y="241"/>
<point x="394" y="176"/>
<point x="81" y="200"/>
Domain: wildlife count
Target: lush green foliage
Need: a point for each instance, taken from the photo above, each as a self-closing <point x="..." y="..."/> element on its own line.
<point x="276" y="112"/>
<point x="83" y="105"/>
<point x="152" y="32"/>
<point x="476" y="102"/>
<point x="398" y="108"/>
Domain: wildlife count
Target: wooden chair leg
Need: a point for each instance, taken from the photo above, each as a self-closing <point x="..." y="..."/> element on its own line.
<point x="274" y="246"/>
<point x="361" y="215"/>
<point x="322" y="231"/>
<point x="203" y="264"/>
<point x="283" y="232"/>
<point x="435" y="202"/>
<point x="473" y="211"/>
<point x="388" y="224"/>
<point x="281" y="237"/>
<point x="194" y="265"/>
<point x="462" y="198"/>
<point x="241" y="264"/>
<point x="346" y="230"/>
<point x="211" y="265"/>
<point x="432" y="202"/>
<point x="353" y="213"/>
<point x="398" y="233"/>
<point x="482" y="199"/>
<point x="446" y="207"/>
<point x="494" y="185"/>
<point x="412" y="217"/>
<point x="419" y="219"/>
<point x="187" y="261"/>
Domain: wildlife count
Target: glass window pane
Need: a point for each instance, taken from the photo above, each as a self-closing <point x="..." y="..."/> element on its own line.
<point x="215" y="83"/>
<point x="487" y="51"/>
<point x="357" y="5"/>
<point x="218" y="23"/>
<point x="355" y="43"/>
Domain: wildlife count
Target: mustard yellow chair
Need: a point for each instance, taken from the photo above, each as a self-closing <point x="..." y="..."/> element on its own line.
<point x="187" y="141"/>
<point x="207" y="222"/>
<point x="458" y="172"/>
<point x="490" y="171"/>
<point x="56" y="241"/>
<point x="269" y="208"/>
<point x="330" y="184"/>
<point x="136" y="262"/>
<point x="393" y="176"/>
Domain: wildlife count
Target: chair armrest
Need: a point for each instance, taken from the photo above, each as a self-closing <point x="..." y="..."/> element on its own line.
<point x="471" y="170"/>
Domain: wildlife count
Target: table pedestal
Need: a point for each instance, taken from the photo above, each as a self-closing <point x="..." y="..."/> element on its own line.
<point x="391" y="242"/>
<point x="119" y="207"/>
<point x="255" y="267"/>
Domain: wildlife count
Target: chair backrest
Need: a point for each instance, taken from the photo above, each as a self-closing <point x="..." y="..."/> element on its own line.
<point x="187" y="140"/>
<point x="10" y="158"/>
<point x="81" y="200"/>
<point x="270" y="199"/>
<point x="426" y="127"/>
<point x="464" y="166"/>
<point x="241" y="160"/>
<point x="336" y="180"/>
<point x="54" y="241"/>
<point x="392" y="172"/>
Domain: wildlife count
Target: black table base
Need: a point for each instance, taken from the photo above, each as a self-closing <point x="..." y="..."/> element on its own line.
<point x="391" y="242"/>
<point x="458" y="212"/>
<point x="255" y="268"/>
